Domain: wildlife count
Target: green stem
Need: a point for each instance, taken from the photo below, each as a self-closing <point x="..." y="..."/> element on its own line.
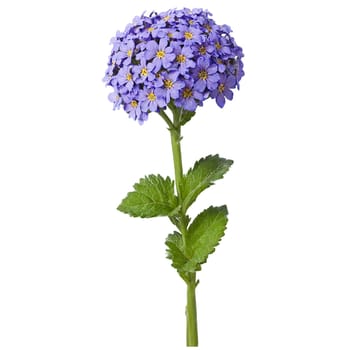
<point x="191" y="312"/>
<point x="191" y="308"/>
<point x="176" y="147"/>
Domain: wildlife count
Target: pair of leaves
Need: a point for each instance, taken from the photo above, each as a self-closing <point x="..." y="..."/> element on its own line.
<point x="155" y="196"/>
<point x="203" y="235"/>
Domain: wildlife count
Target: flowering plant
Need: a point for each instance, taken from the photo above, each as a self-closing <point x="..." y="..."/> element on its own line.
<point x="174" y="61"/>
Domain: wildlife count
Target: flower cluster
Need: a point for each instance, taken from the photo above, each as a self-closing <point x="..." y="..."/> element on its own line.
<point x="180" y="56"/>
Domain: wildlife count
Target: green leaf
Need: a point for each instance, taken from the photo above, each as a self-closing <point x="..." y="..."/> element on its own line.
<point x="186" y="116"/>
<point x="202" y="175"/>
<point x="205" y="233"/>
<point x="153" y="196"/>
<point x="176" y="254"/>
<point x="175" y="251"/>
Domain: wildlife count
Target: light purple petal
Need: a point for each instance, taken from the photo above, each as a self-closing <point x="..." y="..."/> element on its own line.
<point x="212" y="85"/>
<point x="163" y="43"/>
<point x="190" y="104"/>
<point x="220" y="100"/>
<point x="228" y="94"/>
<point x="200" y="85"/>
<point x="212" y="69"/>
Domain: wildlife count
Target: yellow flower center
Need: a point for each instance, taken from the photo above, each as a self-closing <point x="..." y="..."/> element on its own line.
<point x="160" y="54"/>
<point x="218" y="45"/>
<point x="181" y="58"/>
<point x="166" y="18"/>
<point x="208" y="28"/>
<point x="203" y="74"/>
<point x="144" y="72"/>
<point x="221" y="88"/>
<point x="150" y="29"/>
<point x="129" y="76"/>
<point x="134" y="104"/>
<point x="151" y="96"/>
<point x="188" y="35"/>
<point x="129" y="53"/>
<point x="168" y="83"/>
<point x="187" y="93"/>
<point x="202" y="50"/>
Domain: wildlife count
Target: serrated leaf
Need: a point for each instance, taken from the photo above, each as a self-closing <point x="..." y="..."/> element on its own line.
<point x="175" y="250"/>
<point x="202" y="175"/>
<point x="205" y="233"/>
<point x="176" y="254"/>
<point x="153" y="196"/>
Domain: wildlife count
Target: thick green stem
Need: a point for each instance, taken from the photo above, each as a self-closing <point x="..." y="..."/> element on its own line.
<point x="191" y="312"/>
<point x="191" y="308"/>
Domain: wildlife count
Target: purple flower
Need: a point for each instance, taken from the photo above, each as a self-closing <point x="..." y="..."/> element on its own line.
<point x="189" y="35"/>
<point x="126" y="52"/>
<point x="172" y="85"/>
<point x="133" y="108"/>
<point x="222" y="46"/>
<point x="144" y="71"/>
<point x="183" y="58"/>
<point x="153" y="31"/>
<point x="189" y="98"/>
<point x="160" y="53"/>
<point x="116" y="99"/>
<point x="125" y="78"/>
<point x="205" y="49"/>
<point x="223" y="90"/>
<point x="206" y="75"/>
<point x="152" y="99"/>
<point x="222" y="66"/>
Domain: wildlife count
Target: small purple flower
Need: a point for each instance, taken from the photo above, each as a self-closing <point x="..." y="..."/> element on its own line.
<point x="221" y="64"/>
<point x="116" y="99"/>
<point x="152" y="99"/>
<point x="116" y="42"/>
<point x="167" y="17"/>
<point x="183" y="58"/>
<point x="172" y="85"/>
<point x="189" y="35"/>
<point x="222" y="46"/>
<point x="205" y="49"/>
<point x="189" y="98"/>
<point x="206" y="75"/>
<point x="153" y="31"/>
<point x="133" y="108"/>
<point x="125" y="78"/>
<point x="161" y="54"/>
<point x="144" y="71"/>
<point x="126" y="52"/>
<point x="223" y="90"/>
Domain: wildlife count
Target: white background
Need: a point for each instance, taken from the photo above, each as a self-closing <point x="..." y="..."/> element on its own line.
<point x="77" y="274"/>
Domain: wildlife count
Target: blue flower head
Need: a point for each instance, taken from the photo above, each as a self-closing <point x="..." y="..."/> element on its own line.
<point x="180" y="57"/>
